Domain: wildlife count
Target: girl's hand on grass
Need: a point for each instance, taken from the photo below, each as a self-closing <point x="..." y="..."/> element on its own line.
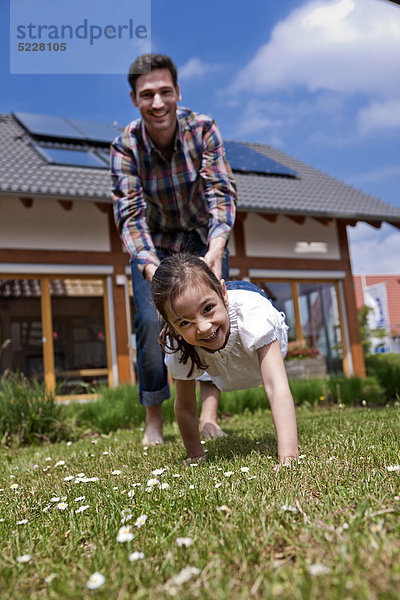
<point x="194" y="459"/>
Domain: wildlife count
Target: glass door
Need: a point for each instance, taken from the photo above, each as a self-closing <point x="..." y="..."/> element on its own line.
<point x="21" y="346"/>
<point x="79" y="335"/>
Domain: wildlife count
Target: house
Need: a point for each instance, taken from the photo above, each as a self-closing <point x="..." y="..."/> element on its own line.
<point x="65" y="300"/>
<point x="382" y="294"/>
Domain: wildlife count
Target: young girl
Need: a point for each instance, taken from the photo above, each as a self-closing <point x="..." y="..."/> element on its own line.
<point x="232" y="332"/>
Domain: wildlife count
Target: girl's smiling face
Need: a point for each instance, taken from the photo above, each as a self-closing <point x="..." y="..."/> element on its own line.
<point x="201" y="317"/>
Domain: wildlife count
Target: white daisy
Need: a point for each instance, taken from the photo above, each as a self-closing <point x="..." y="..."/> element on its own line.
<point x="82" y="508"/>
<point x="95" y="581"/>
<point x="136" y="556"/>
<point x="24" y="558"/>
<point x="318" y="569"/>
<point x="125" y="535"/>
<point x="185" y="575"/>
<point x="184" y="541"/>
<point x="140" y="521"/>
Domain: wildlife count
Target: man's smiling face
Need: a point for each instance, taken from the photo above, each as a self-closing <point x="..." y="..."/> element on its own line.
<point x="156" y="98"/>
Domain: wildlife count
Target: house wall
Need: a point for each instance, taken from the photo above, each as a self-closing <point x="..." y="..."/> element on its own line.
<point x="392" y="283"/>
<point x="286" y="239"/>
<point x="46" y="225"/>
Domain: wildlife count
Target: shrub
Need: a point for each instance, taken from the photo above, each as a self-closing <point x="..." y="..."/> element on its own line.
<point x="28" y="414"/>
<point x="354" y="390"/>
<point x="308" y="392"/>
<point x="386" y="369"/>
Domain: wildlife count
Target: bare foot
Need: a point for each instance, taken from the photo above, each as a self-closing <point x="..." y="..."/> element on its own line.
<point x="154" y="426"/>
<point x="210" y="431"/>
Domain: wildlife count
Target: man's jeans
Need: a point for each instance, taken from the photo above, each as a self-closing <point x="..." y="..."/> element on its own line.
<point x="151" y="370"/>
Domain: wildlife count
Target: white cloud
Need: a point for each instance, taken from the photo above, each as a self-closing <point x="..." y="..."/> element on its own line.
<point x="374" y="251"/>
<point x="256" y="119"/>
<point x="194" y="68"/>
<point x="341" y="45"/>
<point x="379" y="115"/>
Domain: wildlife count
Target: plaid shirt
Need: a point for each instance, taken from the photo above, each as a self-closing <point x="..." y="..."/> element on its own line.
<point x="157" y="201"/>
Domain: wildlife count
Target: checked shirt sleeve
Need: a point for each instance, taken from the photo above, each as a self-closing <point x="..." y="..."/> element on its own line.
<point x="130" y="204"/>
<point x="219" y="184"/>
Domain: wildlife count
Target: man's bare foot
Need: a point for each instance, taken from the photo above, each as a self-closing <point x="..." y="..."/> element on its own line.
<point x="154" y="426"/>
<point x="211" y="431"/>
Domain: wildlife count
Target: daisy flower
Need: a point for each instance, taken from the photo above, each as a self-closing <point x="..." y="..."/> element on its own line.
<point x="62" y="505"/>
<point x="24" y="558"/>
<point x="140" y="521"/>
<point x="229" y="473"/>
<point x="125" y="535"/>
<point x="116" y="472"/>
<point x="14" y="486"/>
<point x="244" y="469"/>
<point x="95" y="581"/>
<point x="185" y="575"/>
<point x="164" y="486"/>
<point x="60" y="463"/>
<point x="22" y="522"/>
<point x="184" y="541"/>
<point x="69" y="478"/>
<point x="131" y="493"/>
<point x="158" y="471"/>
<point x="318" y="569"/>
<point x="79" y="498"/>
<point x="390" y="468"/>
<point x="152" y="482"/>
<point x="126" y="515"/>
<point x="224" y="508"/>
<point x="82" y="508"/>
<point x="136" y="556"/>
<point x="50" y="577"/>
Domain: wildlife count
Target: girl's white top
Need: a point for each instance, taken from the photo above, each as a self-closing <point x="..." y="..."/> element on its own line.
<point x="255" y="322"/>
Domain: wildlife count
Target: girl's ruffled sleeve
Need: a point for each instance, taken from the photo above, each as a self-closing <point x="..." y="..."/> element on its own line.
<point x="260" y="323"/>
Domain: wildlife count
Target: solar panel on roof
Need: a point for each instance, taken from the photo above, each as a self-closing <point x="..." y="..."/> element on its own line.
<point x="245" y="159"/>
<point x="104" y="154"/>
<point x="95" y="131"/>
<point x="59" y="127"/>
<point x="76" y="158"/>
<point x="48" y="126"/>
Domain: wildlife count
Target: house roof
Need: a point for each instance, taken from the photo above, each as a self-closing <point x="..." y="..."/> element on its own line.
<point x="24" y="171"/>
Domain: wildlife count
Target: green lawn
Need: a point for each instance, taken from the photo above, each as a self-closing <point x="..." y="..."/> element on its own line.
<point x="326" y="528"/>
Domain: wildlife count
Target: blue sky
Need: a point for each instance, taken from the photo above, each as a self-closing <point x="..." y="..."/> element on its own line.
<point x="316" y="79"/>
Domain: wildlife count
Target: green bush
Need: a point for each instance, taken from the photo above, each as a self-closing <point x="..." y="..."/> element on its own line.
<point x="29" y="415"/>
<point x="117" y="408"/>
<point x="308" y="392"/>
<point x="355" y="389"/>
<point x="238" y="402"/>
<point x="386" y="369"/>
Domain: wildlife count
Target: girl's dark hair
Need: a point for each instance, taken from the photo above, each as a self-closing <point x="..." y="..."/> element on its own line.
<point x="175" y="274"/>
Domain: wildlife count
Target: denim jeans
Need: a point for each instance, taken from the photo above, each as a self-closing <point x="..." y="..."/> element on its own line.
<point x="150" y="366"/>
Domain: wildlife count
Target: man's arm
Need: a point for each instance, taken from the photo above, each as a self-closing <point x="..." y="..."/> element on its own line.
<point x="280" y="398"/>
<point x="220" y="193"/>
<point x="186" y="415"/>
<point x="214" y="255"/>
<point x="129" y="203"/>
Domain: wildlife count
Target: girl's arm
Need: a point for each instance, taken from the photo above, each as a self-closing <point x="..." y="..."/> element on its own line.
<point x="276" y="386"/>
<point x="186" y="415"/>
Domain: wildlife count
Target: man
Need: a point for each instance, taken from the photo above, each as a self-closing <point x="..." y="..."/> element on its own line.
<point x="173" y="190"/>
